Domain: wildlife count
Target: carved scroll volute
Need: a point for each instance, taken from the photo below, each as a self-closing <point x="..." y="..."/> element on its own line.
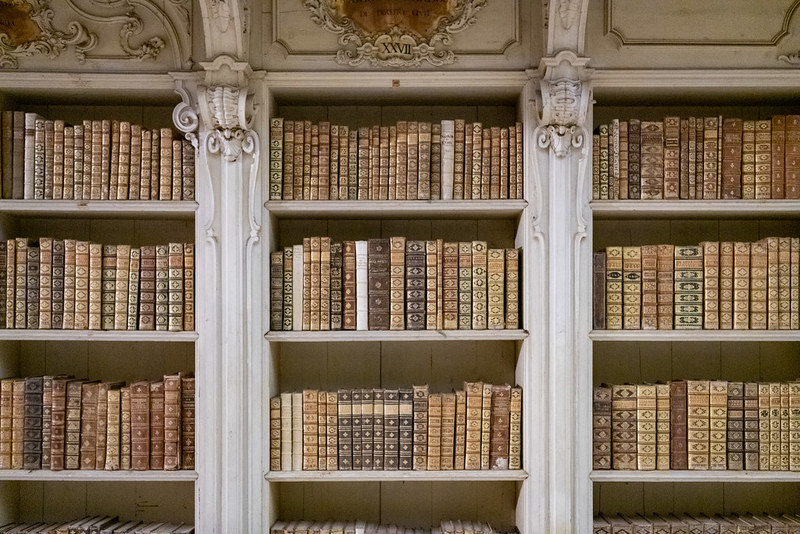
<point x="565" y="92"/>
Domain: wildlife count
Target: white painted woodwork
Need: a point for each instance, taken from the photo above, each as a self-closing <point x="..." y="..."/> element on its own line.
<point x="695" y="209"/>
<point x="395" y="476"/>
<point x="396" y="209"/>
<point x="695" y="476"/>
<point x="100" y="209"/>
<point x="390" y="335"/>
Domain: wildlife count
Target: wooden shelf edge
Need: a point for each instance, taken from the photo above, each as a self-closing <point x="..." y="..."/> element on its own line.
<point x="695" y="476"/>
<point x="695" y="335"/>
<point x="105" y="476"/>
<point x="700" y="209"/>
<point x="396" y="208"/>
<point x="396" y="335"/>
<point x="392" y="476"/>
<point x="101" y="208"/>
<point x="96" y="335"/>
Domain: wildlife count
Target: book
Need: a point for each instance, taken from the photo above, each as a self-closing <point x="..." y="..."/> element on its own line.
<point x="32" y="422"/>
<point x="165" y="174"/>
<point x="345" y="429"/>
<point x="46" y="283"/>
<point x="741" y="285"/>
<point x="662" y="426"/>
<point x="464" y="285"/>
<point x="420" y="433"/>
<point x="614" y="288"/>
<point x="784" y="282"/>
<point x="434" y="437"/>
<point x="162" y="272"/>
<point x="349" y="312"/>
<point x="500" y="426"/>
<point x="379" y="253"/>
<point x="763" y="161"/>
<point x="73" y="424"/>
<point x="671" y="153"/>
<point x="688" y="288"/>
<point x="513" y="319"/>
<point x="21" y="282"/>
<point x="460" y="437"/>
<point x="496" y="288"/>
<point x="102" y="425"/>
<point x="710" y="169"/>
<point x="415" y="284"/>
<point x="634" y="159"/>
<point x="448" y="435"/>
<point x="758" y="285"/>
<point x="322" y="430"/>
<point x="764" y="426"/>
<point x="748" y="159"/>
<point x="58" y="423"/>
<point x="336" y="286"/>
<point x="650" y="287"/>
<point x="299" y="285"/>
<point x="601" y="427"/>
<point x="711" y="284"/>
<point x="623" y="427"/>
<point x="436" y="160"/>
<point x="125" y="428"/>
<point x="315" y="281"/>
<point x="188" y="418"/>
<point x="459" y="171"/>
<point x="88" y="424"/>
<point x="57" y="278"/>
<point x="6" y="422"/>
<point x="479" y="285"/>
<point x="646" y="427"/>
<point x="108" y="291"/>
<point x="146" y="163"/>
<point x="472" y="422"/>
<point x="140" y="425"/>
<point x="310" y="430"/>
<point x="135" y="164"/>
<point x="631" y="288"/>
<point x="735" y="426"/>
<point x="431" y="286"/>
<point x="791" y="154"/>
<point x="357" y="433"/>
<point x="287" y="307"/>
<point x="113" y="429"/>
<point x="132" y="304"/>
<point x="726" y="288"/>
<point x="156" y="400"/>
<point x="331" y="437"/>
<point x="515" y="429"/>
<point x="33" y="281"/>
<point x="751" y="426"/>
<point x="678" y="429"/>
<point x="718" y="417"/>
<point x="172" y="423"/>
<point x="604" y="162"/>
<point x="397" y="268"/>
<point x="362" y="285"/>
<point x="147" y="288"/>
<point x="95" y="278"/>
<point x="652" y="160"/>
<point x="698" y="423"/>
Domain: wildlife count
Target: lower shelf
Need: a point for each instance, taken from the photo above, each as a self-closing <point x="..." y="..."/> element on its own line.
<point x="102" y="476"/>
<point x="695" y="476"/>
<point x="393" y="476"/>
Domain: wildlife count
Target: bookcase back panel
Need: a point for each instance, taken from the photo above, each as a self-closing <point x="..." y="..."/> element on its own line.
<point x="443" y="366"/>
<point x="695" y="497"/>
<point x="108" y="231"/>
<point x="643" y="362"/>
<point x="497" y="233"/>
<point x="414" y="504"/>
<point x="502" y="114"/>
<point x="108" y="361"/>
<point x="146" y="501"/>
<point x="148" y="117"/>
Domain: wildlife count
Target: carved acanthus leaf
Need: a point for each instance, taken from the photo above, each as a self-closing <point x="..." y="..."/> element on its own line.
<point x="148" y="49"/>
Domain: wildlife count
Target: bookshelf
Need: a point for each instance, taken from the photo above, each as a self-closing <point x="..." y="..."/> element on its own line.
<point x="648" y="356"/>
<point x="105" y="355"/>
<point x="443" y="359"/>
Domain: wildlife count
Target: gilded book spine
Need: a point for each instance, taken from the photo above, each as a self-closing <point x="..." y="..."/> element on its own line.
<point x="379" y="280"/>
<point x="187" y="173"/>
<point x="420" y="435"/>
<point x="732" y="158"/>
<point x="397" y="268"/>
<point x="459" y="450"/>
<point x="678" y="447"/>
<point x="688" y="288"/>
<point x="112" y="460"/>
<point x="434" y="432"/>
<point x="436" y="160"/>
<point x="344" y="162"/>
<point x="479" y="285"/>
<point x="601" y="428"/>
<point x="391" y="422"/>
<point x="415" y="285"/>
<point x="310" y="430"/>
<point x="73" y="424"/>
<point x="632" y="287"/>
<point x="345" y="429"/>
<point x="512" y="288"/>
<point x="711" y="282"/>
<point x="604" y="162"/>
<point x="431" y="266"/>
<point x="464" y="285"/>
<point x="726" y="287"/>
<point x="287" y="168"/>
<point x="794" y="426"/>
<point x="125" y="151"/>
<point x="11" y="280"/>
<point x="662" y="427"/>
<point x="125" y="437"/>
<point x="496" y="288"/>
<point x="336" y="278"/>
<point x="774" y="426"/>
<point x="622" y="187"/>
<point x="33" y="409"/>
<point x="764" y="427"/>
<point x="88" y="428"/>
<point x="634" y="159"/>
<point x="286" y="433"/>
<point x="147" y="288"/>
<point x="447" y="452"/>
<point x="646" y="427"/>
<point x="710" y="125"/>
<point x="109" y="275"/>
<point x="751" y="426"/>
<point x="322" y="430"/>
<point x="57" y="295"/>
<point x="623" y="427"/>
<point x="649" y="287"/>
<point x="599" y="290"/>
<point x="448" y="158"/>
<point x="792" y="156"/>
<point x="146" y="163"/>
<point x="349" y="284"/>
<point x="481" y="161"/>
<point x="162" y="287"/>
<point x="165" y="165"/>
<point x="735" y="426"/>
<point x="614" y="290"/>
<point x="474" y="404"/>
<point x="46" y="283"/>
<point x="81" y="285"/>
<point x="401" y="167"/>
<point x="331" y="430"/>
<point x="794" y="277"/>
<point x="406" y="426"/>
<point x="157" y="425"/>
<point x="333" y="167"/>
<point x="18" y="423"/>
<point x="122" y="285"/>
<point x="458" y="160"/>
<point x="671" y="157"/>
<point x="748" y="159"/>
<point x="325" y="283"/>
<point x="188" y="287"/>
<point x="276" y="290"/>
<point x="741" y="286"/>
<point x="698" y="423"/>
<point x="784" y="282"/>
<point x="450" y="285"/>
<point x="763" y="159"/>
<point x="499" y="426"/>
<point x="718" y="420"/>
<point x="758" y="285"/>
<point x="773" y="283"/>
<point x="32" y="265"/>
<point x="324" y="161"/>
<point x="188" y="419"/>
<point x="95" y="286"/>
<point x="652" y="160"/>
<point x="314" y="282"/>
<point x="424" y="179"/>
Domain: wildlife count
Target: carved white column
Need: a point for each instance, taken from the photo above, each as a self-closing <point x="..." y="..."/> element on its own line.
<point x="229" y="288"/>
<point x="562" y="159"/>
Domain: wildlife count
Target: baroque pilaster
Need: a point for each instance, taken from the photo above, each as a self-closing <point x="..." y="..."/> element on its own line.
<point x="217" y="115"/>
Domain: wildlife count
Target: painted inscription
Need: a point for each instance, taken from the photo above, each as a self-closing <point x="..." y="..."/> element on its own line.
<point x="421" y="17"/>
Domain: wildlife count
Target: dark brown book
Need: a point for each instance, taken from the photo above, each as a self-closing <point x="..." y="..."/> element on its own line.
<point x="32" y="429"/>
<point x="436" y="161"/>
<point x="792" y="158"/>
<point x="424" y="167"/>
<point x="349" y="285"/>
<point x="58" y="423"/>
<point x="672" y="129"/>
<point x="406" y="429"/>
<point x="140" y="425"/>
<point x="109" y="286"/>
<point x="778" y="181"/>
<point x="420" y="434"/>
<point x="504" y="171"/>
<point x="157" y="425"/>
<point x="601" y="427"/>
<point x="6" y="152"/>
<point x="732" y="158"/>
<point x="47" y="423"/>
<point x="147" y="288"/>
<point x="57" y="277"/>
<point x="500" y="421"/>
<point x="415" y="285"/>
<point x="275" y="158"/>
<point x="735" y="426"/>
<point x="88" y="428"/>
<point x="378" y="251"/>
<point x="367" y="430"/>
<point x="32" y="286"/>
<point x="187" y="422"/>
<point x="276" y="290"/>
<point x="599" y="291"/>
<point x="18" y="155"/>
<point x="72" y="452"/>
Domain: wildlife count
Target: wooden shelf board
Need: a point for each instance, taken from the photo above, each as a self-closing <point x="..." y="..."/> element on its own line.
<point x="398" y="335"/>
<point x="420" y="209"/>
<point x="695" y="335"/>
<point x="131" y="209"/>
<point x="695" y="476"/>
<point x="695" y="209"/>
<point x="391" y="476"/>
<point x="95" y="335"/>
<point x="106" y="476"/>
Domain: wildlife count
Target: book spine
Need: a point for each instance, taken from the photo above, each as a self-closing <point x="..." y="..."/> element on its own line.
<point x="784" y="282"/>
<point x="486" y="426"/>
<point x="486" y="164"/>
<point x="362" y="285"/>
<point x="46" y="283"/>
<point x="512" y="288"/>
<point x="646" y="434"/>
<point x="33" y="405"/>
<point x="378" y="283"/>
<point x="785" y="445"/>
<point x="357" y="409"/>
<point x="276" y="290"/>
<point x="141" y="426"/>
<point x="794" y="426"/>
<point x="692" y="150"/>
<point x="459" y="445"/>
<point x="678" y="431"/>
<point x="763" y="159"/>
<point x="652" y="160"/>
<point x="459" y="170"/>
<point x="58" y="414"/>
<point x="599" y="290"/>
<point x="469" y="154"/>
<point x="7" y="153"/>
<point x="11" y="280"/>
<point x="96" y="286"/>
<point x="622" y="183"/>
<point x="109" y="284"/>
<point x="32" y="267"/>
<point x="672" y="129"/>
<point x="748" y="159"/>
<point x="275" y="158"/>
<point x="96" y="162"/>
<point x="6" y="422"/>
<point x="311" y="184"/>
<point x="86" y="182"/>
<point x="73" y="424"/>
<point x="88" y="425"/>
<point x="604" y="162"/>
<point x="431" y="289"/>
<point x="20" y="283"/>
<point x="121" y="286"/>
<point x="662" y="427"/>
<point x="741" y="286"/>
<point x="367" y="430"/>
<point x="764" y="433"/>
<point x="424" y="166"/>
<point x="146" y="163"/>
<point x="40" y="157"/>
<point x="614" y="288"/>
<point x="596" y="167"/>
<point x="285" y="461"/>
<point x="297" y="432"/>
<point x="710" y="125"/>
<point x="345" y="158"/>
<point x="113" y="449"/>
<point x="125" y="428"/>
<point x="631" y="288"/>
<point x="479" y="285"/>
<point x="68" y="163"/>
<point x="111" y="189"/>
<point x="499" y="426"/>
<point x="349" y="285"/>
<point x="481" y="162"/>
<point x="447" y="439"/>
<point x="698" y="423"/>
<point x="474" y="409"/>
<point x="711" y="282"/>
<point x="162" y="287"/>
<point x="420" y="434"/>
<point x="132" y="311"/>
<point x="165" y="173"/>
<point x="464" y="285"/>
<point x="634" y="159"/>
<point x="718" y="418"/>
<point x="683" y="159"/>
<point x="434" y="437"/>
<point x="188" y="417"/>
<point x="57" y="294"/>
<point x="102" y="425"/>
<point x="397" y="269"/>
<point x="406" y="429"/>
<point x="751" y="426"/>
<point x="135" y="167"/>
<point x="333" y="166"/>
<point x="125" y="151"/>
<point x="623" y="427"/>
<point x="18" y="423"/>
<point x="147" y="288"/>
<point x="495" y="291"/>
<point x="157" y="425"/>
<point x="448" y="159"/>
<point x="726" y="286"/>
<point x="413" y="161"/>
<point x="450" y="285"/>
<point x="794" y="277"/>
<point x="345" y="429"/>
<point x="436" y="161"/>
<point x="391" y="429"/>
<point x="649" y="277"/>
<point x="735" y="426"/>
<point x="322" y="430"/>
<point x="792" y="156"/>
<point x="774" y="426"/>
<point x="772" y="285"/>
<point x="613" y="160"/>
<point x="415" y="285"/>
<point x="155" y="164"/>
<point x="520" y="165"/>
<point x="688" y="288"/>
<point x="288" y="168"/>
<point x="299" y="286"/>
<point x="177" y="170"/>
<point x="325" y="284"/>
<point x="57" y="158"/>
<point x="331" y="431"/>
<point x="336" y="285"/>
<point x="731" y="158"/>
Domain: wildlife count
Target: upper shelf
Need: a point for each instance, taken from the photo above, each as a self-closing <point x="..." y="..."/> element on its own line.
<point x="395" y="335"/>
<point x="695" y="476"/>
<point x="695" y="209"/>
<point x="99" y="475"/>
<point x="399" y="476"/>
<point x="96" y="335"/>
<point x="101" y="209"/>
<point x="695" y="335"/>
<point x="407" y="209"/>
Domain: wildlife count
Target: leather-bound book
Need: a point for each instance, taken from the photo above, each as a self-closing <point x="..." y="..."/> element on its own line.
<point x="331" y="430"/>
<point x="726" y="285"/>
<point x="86" y="182"/>
<point x="7" y="152"/>
<point x="113" y="421"/>
<point x="794" y="425"/>
<point x="375" y="162"/>
<point x="333" y="163"/>
<point x="345" y="430"/>
<point x="177" y="170"/>
<point x="155" y="164"/>
<point x="599" y="290"/>
<point x="362" y="285"/>
<point x="672" y="128"/>
<point x="448" y="158"/>
<point x="391" y="429"/>
<point x="125" y="428"/>
<point x="68" y="162"/>
<point x="601" y="427"/>
<point x="297" y="177"/>
<point x="32" y="423"/>
<point x="146" y="163"/>
<point x="135" y="166"/>
<point x="500" y="426"/>
<point x="121" y="286"/>
<point x="96" y="161"/>
<point x="124" y="170"/>
<point x="698" y="423"/>
<point x="623" y="427"/>
<point x="357" y="407"/>
<point x="55" y="160"/>
<point x="315" y="281"/>
<point x="496" y="288"/>
<point x="140" y="425"/>
<point x="336" y="286"/>
<point x="512" y="288"/>
<point x="431" y="288"/>
<point x="21" y="283"/>
<point x="436" y="160"/>
<point x="162" y="270"/>
<point x="72" y="452"/>
<point x="486" y="163"/>
<point x="322" y="430"/>
<point x="111" y="188"/>
<point x="634" y="159"/>
<point x="464" y="285"/>
<point x="469" y="154"/>
<point x="57" y="285"/>
<point x="188" y="418"/>
<point x="434" y="453"/>
<point x="688" y="287"/>
<point x="397" y="268"/>
<point x="439" y="284"/>
<point x="10" y="267"/>
<point x="102" y="424"/>
<point x="47" y="420"/>
<point x="472" y="443"/>
<point x="96" y="286"/>
<point x="406" y="429"/>
<point x="276" y="290"/>
<point x="751" y="426"/>
<point x="32" y="265"/>
<point x="731" y="158"/>
<point x="34" y="156"/>
<point x="763" y="159"/>
<point x="401" y="160"/>
<point x="662" y="427"/>
<point x="459" y="133"/>
<point x="285" y="462"/>
<point x="313" y="186"/>
<point x="794" y="277"/>
<point x="764" y="426"/>
<point x="718" y="421"/>
<point x="308" y="130"/>
<point x="172" y="423"/>
<point x="758" y="285"/>
<point x="287" y="307"/>
<point x="631" y="288"/>
<point x="646" y="427"/>
<point x="512" y="163"/>
<point x="613" y="160"/>
<point x="604" y="162"/>
<point x="614" y="288"/>
<point x="450" y="285"/>
<point x="460" y="438"/>
<point x="165" y="174"/>
<point x="46" y="283"/>
<point x="379" y="280"/>
<point x="287" y="164"/>
<point x="792" y="156"/>
<point x="349" y="285"/>
<point x="678" y="432"/>
<point x="520" y="166"/>
<point x="446" y="457"/>
<point x="652" y="160"/>
<point x="649" y="287"/>
<point x="479" y="285"/>
<point x="88" y="428"/>
<point x="109" y="286"/>
<point x="735" y="426"/>
<point x="157" y="425"/>
<point x="496" y="164"/>
<point x="785" y="422"/>
<point x="276" y="158"/>
<point x="310" y="430"/>
<point x="692" y="156"/>
<point x="58" y="423"/>
<point x="515" y="429"/>
<point x="420" y="436"/>
<point x="683" y="159"/>
<point x="132" y="313"/>
<point x="710" y="169"/>
<point x="376" y="434"/>
<point x="711" y="279"/>
<point x="773" y="283"/>
<point x="748" y="159"/>
<point x="412" y="162"/>
<point x="147" y="288"/>
<point x="424" y="167"/>
<point x="784" y="282"/>
<point x="622" y="161"/>
<point x="18" y="159"/>
<point x="415" y="284"/>
<point x="774" y="426"/>
<point x="18" y="423"/>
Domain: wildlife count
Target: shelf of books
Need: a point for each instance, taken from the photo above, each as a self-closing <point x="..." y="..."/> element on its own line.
<point x="695" y="332"/>
<point x="97" y="333"/>
<point x="395" y="297"/>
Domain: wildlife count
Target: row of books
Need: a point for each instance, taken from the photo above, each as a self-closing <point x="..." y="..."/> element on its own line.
<point x="98" y="525"/>
<point x="476" y="428"/>
<point x="411" y="160"/>
<point x="697" y="424"/>
<point x="58" y="422"/>
<point x="362" y="527"/>
<point x="95" y="160"/>
<point x="697" y="523"/>
<point x="77" y="285"/>
<point x="697" y="158"/>
<point x="394" y="284"/>
<point x="714" y="285"/>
